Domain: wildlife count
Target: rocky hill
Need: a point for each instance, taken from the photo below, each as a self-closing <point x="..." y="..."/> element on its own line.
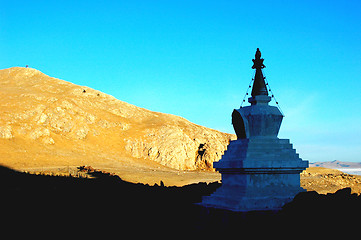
<point x="325" y="180"/>
<point x="47" y="122"/>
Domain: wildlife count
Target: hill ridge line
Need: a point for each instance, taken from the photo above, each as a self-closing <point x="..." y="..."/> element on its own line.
<point x="48" y="121"/>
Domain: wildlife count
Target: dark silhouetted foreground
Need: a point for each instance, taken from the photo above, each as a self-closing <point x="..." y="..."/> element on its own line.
<point x="110" y="205"/>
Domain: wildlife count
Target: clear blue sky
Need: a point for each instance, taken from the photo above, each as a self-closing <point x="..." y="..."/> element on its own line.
<point x="193" y="59"/>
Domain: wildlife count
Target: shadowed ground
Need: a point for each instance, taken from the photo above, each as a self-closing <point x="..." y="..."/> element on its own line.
<point x="107" y="203"/>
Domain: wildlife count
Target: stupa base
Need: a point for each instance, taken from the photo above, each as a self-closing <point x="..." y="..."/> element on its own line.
<point x="257" y="175"/>
<point x="244" y="203"/>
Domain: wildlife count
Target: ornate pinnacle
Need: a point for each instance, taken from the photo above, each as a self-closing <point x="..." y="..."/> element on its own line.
<point x="259" y="85"/>
<point x="258" y="61"/>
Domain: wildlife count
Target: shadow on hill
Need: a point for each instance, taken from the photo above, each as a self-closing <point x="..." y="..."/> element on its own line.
<point x="107" y="202"/>
<point x="103" y="201"/>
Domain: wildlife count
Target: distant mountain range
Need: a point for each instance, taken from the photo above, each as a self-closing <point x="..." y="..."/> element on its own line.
<point x="337" y="164"/>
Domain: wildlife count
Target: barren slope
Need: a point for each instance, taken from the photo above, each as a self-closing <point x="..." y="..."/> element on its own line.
<point x="48" y="122"/>
<point x="325" y="180"/>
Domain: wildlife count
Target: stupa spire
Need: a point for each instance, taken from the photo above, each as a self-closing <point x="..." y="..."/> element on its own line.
<point x="259" y="89"/>
<point x="259" y="85"/>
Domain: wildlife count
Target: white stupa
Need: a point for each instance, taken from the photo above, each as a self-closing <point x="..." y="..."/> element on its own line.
<point x="259" y="170"/>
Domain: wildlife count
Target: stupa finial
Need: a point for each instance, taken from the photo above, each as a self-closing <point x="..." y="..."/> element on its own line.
<point x="259" y="85"/>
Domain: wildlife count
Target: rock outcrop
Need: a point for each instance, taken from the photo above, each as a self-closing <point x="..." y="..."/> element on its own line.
<point x="324" y="180"/>
<point x="47" y="121"/>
